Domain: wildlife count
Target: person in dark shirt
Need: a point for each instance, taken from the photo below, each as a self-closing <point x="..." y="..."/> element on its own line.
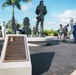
<point x="65" y="30"/>
<point x="17" y="29"/>
<point x="74" y="32"/>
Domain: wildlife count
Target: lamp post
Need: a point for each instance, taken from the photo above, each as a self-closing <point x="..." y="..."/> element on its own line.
<point x="71" y="23"/>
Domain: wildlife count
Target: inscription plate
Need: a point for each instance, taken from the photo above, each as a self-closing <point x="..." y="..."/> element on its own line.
<point x="15" y="48"/>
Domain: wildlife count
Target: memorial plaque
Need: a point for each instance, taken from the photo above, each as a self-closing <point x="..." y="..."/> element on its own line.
<point x="15" y="56"/>
<point x="15" y="49"/>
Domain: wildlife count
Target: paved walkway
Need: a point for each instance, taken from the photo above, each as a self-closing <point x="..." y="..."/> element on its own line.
<point x="56" y="58"/>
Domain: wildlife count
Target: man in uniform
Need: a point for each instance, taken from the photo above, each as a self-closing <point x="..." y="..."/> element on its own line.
<point x="41" y="11"/>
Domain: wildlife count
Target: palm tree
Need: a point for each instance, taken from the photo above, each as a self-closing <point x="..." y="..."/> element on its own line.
<point x="13" y="3"/>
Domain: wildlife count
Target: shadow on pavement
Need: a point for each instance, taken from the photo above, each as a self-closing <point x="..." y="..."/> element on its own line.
<point x="52" y="42"/>
<point x="41" y="62"/>
<point x="68" y="41"/>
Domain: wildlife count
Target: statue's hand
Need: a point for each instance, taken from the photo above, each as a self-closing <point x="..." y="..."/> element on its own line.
<point x="37" y="17"/>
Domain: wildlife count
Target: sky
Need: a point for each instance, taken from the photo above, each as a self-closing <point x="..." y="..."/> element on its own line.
<point x="58" y="12"/>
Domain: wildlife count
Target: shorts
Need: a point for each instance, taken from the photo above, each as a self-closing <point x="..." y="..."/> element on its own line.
<point x="65" y="34"/>
<point x="60" y="33"/>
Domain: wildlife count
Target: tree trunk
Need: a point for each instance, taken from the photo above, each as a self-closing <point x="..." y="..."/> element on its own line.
<point x="13" y="25"/>
<point x="13" y="22"/>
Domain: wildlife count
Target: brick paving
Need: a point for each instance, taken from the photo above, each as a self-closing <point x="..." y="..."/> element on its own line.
<point x="56" y="58"/>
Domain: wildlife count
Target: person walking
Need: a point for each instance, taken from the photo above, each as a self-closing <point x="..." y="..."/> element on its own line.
<point x="17" y="29"/>
<point x="60" y="32"/>
<point x="65" y="30"/>
<point x="3" y="29"/>
<point x="74" y="32"/>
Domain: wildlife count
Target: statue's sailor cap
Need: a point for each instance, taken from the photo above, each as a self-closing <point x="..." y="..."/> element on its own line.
<point x="41" y="1"/>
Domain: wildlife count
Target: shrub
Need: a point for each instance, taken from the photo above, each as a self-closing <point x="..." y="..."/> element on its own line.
<point x="47" y="32"/>
<point x="9" y="31"/>
<point x="0" y="32"/>
<point x="55" y="33"/>
<point x="0" y="27"/>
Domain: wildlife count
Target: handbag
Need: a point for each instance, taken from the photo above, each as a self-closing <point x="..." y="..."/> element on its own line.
<point x="71" y="36"/>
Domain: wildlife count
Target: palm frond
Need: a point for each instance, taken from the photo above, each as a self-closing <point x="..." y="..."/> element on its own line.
<point x="6" y="4"/>
<point x="18" y="5"/>
<point x="27" y="0"/>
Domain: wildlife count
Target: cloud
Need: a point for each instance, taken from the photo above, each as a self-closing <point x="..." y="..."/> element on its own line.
<point x="49" y="25"/>
<point x="33" y="19"/>
<point x="26" y="7"/>
<point x="66" y="16"/>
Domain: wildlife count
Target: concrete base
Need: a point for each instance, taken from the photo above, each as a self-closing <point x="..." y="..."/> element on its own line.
<point x="74" y="73"/>
<point x="38" y="41"/>
<point x="15" y="68"/>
